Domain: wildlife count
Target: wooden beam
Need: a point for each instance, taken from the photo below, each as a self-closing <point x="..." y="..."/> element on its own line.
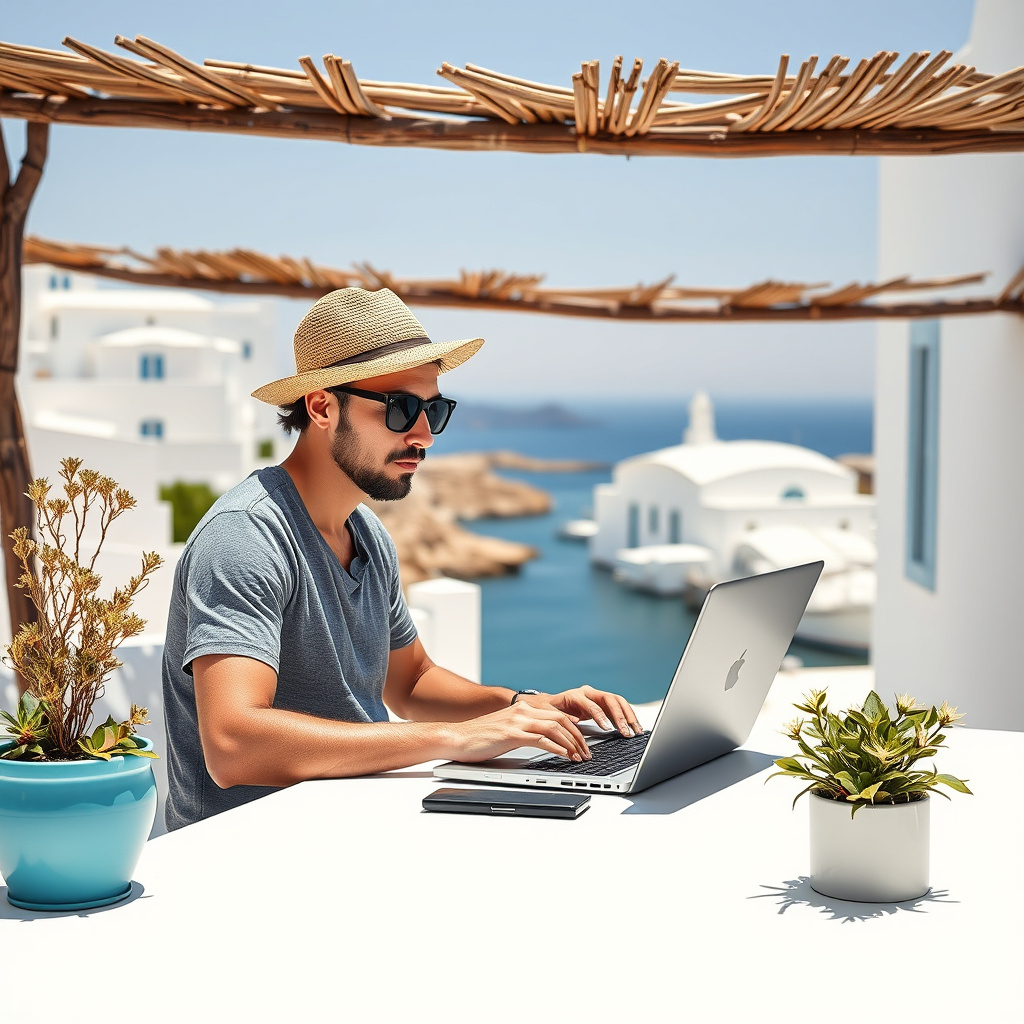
<point x="437" y="133"/>
<point x="426" y="296"/>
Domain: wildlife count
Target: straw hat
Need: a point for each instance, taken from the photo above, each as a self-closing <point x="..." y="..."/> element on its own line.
<point x="352" y="334"/>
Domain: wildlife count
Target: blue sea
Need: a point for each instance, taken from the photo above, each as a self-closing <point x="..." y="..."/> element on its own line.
<point x="560" y="622"/>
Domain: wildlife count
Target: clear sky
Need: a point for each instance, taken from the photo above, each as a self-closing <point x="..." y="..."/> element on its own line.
<point x="581" y="220"/>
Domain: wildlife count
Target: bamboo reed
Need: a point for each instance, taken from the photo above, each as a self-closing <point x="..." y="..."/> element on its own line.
<point x="339" y="86"/>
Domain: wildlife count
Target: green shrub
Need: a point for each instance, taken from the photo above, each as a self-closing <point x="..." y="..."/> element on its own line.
<point x="189" y="503"/>
<point x="265" y="449"/>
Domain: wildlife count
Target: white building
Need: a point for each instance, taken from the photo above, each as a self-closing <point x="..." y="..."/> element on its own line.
<point x="948" y="425"/>
<point x="707" y="510"/>
<point x="162" y="368"/>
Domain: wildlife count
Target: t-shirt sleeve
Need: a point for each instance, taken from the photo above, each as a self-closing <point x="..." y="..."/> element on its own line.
<point x="236" y="588"/>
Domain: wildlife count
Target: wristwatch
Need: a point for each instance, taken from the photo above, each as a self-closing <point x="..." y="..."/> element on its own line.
<point x="518" y="693"/>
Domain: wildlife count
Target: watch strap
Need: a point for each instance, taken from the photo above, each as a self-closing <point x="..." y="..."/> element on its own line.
<point x="518" y="694"/>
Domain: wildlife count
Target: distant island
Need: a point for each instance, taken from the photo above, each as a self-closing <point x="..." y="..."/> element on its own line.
<point x="546" y="416"/>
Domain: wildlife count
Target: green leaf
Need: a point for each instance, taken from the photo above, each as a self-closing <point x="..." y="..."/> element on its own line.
<point x="874" y="707"/>
<point x="954" y="783"/>
<point x="94" y="752"/>
<point x="806" y="789"/>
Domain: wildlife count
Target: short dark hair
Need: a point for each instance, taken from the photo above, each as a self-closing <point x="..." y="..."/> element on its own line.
<point x="295" y="417"/>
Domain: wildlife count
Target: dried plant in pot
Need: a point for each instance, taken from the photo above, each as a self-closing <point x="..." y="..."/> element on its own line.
<point x="77" y="802"/>
<point x="869" y="793"/>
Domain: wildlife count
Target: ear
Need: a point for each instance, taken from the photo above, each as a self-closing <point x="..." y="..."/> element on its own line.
<point x="318" y="405"/>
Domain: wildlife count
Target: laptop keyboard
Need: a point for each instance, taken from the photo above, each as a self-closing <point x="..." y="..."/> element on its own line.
<point x="606" y="758"/>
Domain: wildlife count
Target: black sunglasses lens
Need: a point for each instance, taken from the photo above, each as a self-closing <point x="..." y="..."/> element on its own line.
<point x="402" y="412"/>
<point x="439" y="411"/>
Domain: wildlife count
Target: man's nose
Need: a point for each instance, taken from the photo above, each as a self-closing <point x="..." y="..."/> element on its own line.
<point x="419" y="434"/>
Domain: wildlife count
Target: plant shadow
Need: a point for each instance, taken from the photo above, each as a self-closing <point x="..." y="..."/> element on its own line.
<point x="9" y="912"/>
<point x="797" y="892"/>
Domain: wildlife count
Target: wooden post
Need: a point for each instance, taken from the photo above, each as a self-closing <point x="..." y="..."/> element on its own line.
<point x="15" y="473"/>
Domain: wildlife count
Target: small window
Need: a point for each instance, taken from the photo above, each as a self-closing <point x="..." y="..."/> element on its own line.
<point x="793" y="493"/>
<point x="675" y="527"/>
<point x="151" y="366"/>
<point x="653" y="520"/>
<point x="54" y="328"/>
<point x="54" y="283"/>
<point x="152" y="428"/>
<point x="67" y="282"/>
<point x="247" y="350"/>
<point x="633" y="527"/>
<point x="922" y="452"/>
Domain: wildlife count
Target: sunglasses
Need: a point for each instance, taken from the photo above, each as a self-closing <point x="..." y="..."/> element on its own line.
<point x="402" y="411"/>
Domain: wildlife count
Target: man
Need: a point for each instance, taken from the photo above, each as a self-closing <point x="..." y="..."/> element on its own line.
<point x="288" y="632"/>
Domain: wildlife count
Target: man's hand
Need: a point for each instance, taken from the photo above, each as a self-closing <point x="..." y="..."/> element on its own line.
<point x="608" y="710"/>
<point x="521" y="725"/>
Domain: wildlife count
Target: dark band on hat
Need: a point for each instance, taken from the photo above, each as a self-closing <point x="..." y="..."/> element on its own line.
<point x="383" y="350"/>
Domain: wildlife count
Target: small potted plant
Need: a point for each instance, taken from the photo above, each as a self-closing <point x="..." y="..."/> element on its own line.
<point x="869" y="796"/>
<point x="76" y="802"/>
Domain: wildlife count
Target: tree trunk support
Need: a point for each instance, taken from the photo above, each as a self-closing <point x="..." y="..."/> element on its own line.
<point x="15" y="472"/>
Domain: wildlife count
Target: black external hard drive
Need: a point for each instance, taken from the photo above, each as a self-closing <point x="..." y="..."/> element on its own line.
<point x="508" y="803"/>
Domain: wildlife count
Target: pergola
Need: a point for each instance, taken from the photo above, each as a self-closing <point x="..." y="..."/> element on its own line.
<point x="880" y="106"/>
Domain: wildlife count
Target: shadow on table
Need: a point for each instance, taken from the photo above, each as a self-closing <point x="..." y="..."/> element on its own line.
<point x="797" y="892"/>
<point x="9" y="912"/>
<point x="703" y="781"/>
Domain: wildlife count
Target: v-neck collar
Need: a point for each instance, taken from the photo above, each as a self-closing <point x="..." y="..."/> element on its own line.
<point x="353" y="575"/>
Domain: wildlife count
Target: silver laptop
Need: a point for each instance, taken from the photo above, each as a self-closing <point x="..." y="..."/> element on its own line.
<point x="735" y="649"/>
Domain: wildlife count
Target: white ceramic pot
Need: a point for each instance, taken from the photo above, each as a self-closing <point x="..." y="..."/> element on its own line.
<point x="880" y="855"/>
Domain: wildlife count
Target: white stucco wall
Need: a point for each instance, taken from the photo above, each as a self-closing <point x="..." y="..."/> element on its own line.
<point x="938" y="216"/>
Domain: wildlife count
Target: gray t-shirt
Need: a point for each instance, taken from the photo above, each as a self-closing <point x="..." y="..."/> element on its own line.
<point x="257" y="578"/>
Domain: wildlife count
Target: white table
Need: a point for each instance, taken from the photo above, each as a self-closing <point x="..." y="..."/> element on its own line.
<point x="342" y="900"/>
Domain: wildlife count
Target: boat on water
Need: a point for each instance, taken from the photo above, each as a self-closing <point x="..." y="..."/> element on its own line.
<point x="577" y="529"/>
<point x="678" y="520"/>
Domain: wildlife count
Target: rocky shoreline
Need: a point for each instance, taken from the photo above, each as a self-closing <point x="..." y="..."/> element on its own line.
<point x="448" y="488"/>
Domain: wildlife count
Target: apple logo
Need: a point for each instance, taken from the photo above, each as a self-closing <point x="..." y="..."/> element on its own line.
<point x="734" y="672"/>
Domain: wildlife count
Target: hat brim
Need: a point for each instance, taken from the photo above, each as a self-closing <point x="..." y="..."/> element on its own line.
<point x="448" y="354"/>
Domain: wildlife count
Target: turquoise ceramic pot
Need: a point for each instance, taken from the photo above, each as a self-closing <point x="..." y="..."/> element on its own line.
<point x="71" y="832"/>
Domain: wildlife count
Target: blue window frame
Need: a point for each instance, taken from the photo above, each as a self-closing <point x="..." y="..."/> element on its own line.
<point x="151" y="366"/>
<point x="922" y="452"/>
<point x="152" y="428"/>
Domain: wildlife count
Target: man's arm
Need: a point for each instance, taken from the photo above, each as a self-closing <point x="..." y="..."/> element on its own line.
<point x="247" y="741"/>
<point x="419" y="690"/>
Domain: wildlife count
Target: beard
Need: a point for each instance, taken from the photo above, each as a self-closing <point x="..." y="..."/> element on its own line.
<point x="357" y="466"/>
